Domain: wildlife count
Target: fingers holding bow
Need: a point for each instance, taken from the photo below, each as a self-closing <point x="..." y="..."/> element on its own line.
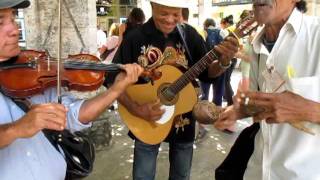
<point x="42" y="116"/>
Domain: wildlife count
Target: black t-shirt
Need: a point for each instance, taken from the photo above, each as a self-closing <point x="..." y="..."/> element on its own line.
<point x="132" y="47"/>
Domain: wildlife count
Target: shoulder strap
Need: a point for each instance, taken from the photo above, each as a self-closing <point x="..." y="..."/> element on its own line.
<point x="23" y="104"/>
<point x="182" y="35"/>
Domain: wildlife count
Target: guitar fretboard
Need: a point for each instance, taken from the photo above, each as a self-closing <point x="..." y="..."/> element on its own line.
<point x="193" y="72"/>
<point x="76" y="64"/>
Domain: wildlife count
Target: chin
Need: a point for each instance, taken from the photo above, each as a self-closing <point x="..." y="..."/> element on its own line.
<point x="261" y="18"/>
<point x="13" y="53"/>
<point x="16" y="53"/>
<point x="167" y="31"/>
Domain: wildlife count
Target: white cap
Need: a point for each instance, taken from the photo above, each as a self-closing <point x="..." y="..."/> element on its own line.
<point x="173" y="3"/>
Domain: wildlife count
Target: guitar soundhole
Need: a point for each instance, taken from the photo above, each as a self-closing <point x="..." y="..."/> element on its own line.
<point x="167" y="97"/>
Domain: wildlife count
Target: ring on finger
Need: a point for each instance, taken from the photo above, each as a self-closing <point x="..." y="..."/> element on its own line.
<point x="246" y="101"/>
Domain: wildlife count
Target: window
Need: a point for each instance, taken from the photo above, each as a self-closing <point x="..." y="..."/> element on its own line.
<point x="20" y="23"/>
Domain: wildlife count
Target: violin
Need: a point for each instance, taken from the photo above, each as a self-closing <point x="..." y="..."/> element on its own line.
<point x="34" y="71"/>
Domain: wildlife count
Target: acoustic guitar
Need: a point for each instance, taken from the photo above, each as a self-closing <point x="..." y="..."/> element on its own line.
<point x="175" y="91"/>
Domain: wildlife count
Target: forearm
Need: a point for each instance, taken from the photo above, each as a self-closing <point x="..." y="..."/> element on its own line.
<point x="92" y="108"/>
<point x="102" y="49"/>
<point x="127" y="102"/>
<point x="8" y="134"/>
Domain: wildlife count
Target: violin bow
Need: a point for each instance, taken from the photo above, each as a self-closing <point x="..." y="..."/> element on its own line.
<point x="59" y="53"/>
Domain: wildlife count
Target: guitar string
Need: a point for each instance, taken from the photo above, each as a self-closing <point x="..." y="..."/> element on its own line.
<point x="193" y="72"/>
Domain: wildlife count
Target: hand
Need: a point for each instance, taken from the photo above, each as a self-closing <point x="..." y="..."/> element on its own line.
<point x="227" y="118"/>
<point x="281" y="107"/>
<point x="149" y="111"/>
<point x="227" y="49"/>
<point x="43" y="116"/>
<point x="130" y="76"/>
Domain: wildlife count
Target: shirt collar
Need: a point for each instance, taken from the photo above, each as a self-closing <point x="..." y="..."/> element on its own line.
<point x="294" y="22"/>
<point x="8" y="62"/>
<point x="257" y="42"/>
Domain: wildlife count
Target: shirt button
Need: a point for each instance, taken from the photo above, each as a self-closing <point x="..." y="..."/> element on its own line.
<point x="28" y="153"/>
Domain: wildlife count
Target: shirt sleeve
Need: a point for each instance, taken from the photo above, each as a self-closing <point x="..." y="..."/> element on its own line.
<point x="101" y="38"/>
<point x="112" y="42"/>
<point x="73" y="104"/>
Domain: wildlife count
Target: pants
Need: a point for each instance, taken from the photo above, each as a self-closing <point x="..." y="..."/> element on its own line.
<point x="145" y="160"/>
<point x="228" y="94"/>
<point x="218" y="89"/>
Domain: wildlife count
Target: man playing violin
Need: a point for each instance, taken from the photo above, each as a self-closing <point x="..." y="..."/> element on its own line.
<point x="25" y="153"/>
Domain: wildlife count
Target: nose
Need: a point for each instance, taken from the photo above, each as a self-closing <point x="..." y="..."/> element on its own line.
<point x="172" y="19"/>
<point x="13" y="29"/>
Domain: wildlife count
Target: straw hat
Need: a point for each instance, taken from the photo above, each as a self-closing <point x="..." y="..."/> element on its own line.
<point x="173" y="3"/>
<point x="16" y="4"/>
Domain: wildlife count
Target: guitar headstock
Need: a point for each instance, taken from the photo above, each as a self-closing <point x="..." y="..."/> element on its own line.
<point x="246" y="26"/>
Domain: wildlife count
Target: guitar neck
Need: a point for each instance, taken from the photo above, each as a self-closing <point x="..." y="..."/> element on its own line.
<point x="201" y="65"/>
<point x="193" y="72"/>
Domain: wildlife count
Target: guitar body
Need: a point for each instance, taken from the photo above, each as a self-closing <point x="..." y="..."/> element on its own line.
<point x="155" y="132"/>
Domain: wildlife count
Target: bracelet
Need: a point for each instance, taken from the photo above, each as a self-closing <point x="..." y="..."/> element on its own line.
<point x="224" y="66"/>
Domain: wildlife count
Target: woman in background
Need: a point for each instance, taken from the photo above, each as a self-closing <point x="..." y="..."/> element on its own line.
<point x="135" y="19"/>
<point x="110" y="47"/>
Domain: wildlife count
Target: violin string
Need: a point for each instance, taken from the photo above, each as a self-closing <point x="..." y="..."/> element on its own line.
<point x="84" y="64"/>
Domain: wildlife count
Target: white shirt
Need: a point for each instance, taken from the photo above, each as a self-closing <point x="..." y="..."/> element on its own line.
<point x="101" y="38"/>
<point x="111" y="43"/>
<point x="282" y="152"/>
<point x="35" y="158"/>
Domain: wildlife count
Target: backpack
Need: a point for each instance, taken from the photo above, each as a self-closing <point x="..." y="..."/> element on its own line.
<point x="213" y="38"/>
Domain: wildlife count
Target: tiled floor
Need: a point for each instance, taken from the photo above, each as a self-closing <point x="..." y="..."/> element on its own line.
<point x="115" y="162"/>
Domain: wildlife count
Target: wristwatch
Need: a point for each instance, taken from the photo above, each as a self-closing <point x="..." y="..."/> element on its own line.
<point x="222" y="66"/>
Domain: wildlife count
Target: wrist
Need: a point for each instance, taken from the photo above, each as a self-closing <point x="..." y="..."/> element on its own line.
<point x="224" y="66"/>
<point x="15" y="131"/>
<point x="9" y="132"/>
<point x="315" y="115"/>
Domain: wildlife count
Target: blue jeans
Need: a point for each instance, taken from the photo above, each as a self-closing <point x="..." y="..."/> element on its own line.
<point x="145" y="160"/>
<point x="218" y="89"/>
<point x="228" y="92"/>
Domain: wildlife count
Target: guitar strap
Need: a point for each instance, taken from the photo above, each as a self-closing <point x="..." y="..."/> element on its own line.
<point x="182" y="34"/>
